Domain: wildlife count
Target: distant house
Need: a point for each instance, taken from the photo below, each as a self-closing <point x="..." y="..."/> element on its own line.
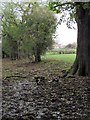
<point x="56" y="46"/>
<point x="71" y="45"/>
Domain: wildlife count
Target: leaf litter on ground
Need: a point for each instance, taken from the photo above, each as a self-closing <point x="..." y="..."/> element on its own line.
<point x="50" y="97"/>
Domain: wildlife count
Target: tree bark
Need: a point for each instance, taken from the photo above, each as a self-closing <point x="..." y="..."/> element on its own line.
<point x="14" y="52"/>
<point x="81" y="65"/>
<point x="37" y="58"/>
<point x="37" y="55"/>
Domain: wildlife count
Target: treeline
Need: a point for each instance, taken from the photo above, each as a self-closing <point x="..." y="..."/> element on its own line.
<point x="27" y="29"/>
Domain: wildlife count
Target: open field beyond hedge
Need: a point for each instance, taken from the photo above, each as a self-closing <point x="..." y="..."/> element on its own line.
<point x="59" y="57"/>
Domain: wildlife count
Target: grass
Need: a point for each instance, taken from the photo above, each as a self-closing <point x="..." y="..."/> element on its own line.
<point x="60" y="57"/>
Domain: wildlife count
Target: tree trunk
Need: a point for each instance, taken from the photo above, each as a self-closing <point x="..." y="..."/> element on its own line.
<point x="14" y="49"/>
<point x="37" y="55"/>
<point x="37" y="58"/>
<point x="81" y="65"/>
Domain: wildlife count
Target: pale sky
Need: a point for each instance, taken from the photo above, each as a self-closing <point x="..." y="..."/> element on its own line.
<point x="66" y="35"/>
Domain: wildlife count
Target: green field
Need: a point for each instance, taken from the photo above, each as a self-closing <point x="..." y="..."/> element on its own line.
<point x="61" y="57"/>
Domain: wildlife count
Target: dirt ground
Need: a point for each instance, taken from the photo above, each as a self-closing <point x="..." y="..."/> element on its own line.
<point x="37" y="92"/>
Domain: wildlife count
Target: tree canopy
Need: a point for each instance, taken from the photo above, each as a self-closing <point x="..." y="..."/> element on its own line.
<point x="28" y="29"/>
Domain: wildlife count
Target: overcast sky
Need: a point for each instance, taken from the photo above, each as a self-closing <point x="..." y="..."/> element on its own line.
<point x="65" y="35"/>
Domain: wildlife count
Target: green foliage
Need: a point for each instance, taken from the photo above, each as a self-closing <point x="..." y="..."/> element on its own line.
<point x="28" y="28"/>
<point x="65" y="9"/>
<point x="42" y="26"/>
<point x="62" y="51"/>
<point x="67" y="51"/>
<point x="10" y="24"/>
<point x="6" y="47"/>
